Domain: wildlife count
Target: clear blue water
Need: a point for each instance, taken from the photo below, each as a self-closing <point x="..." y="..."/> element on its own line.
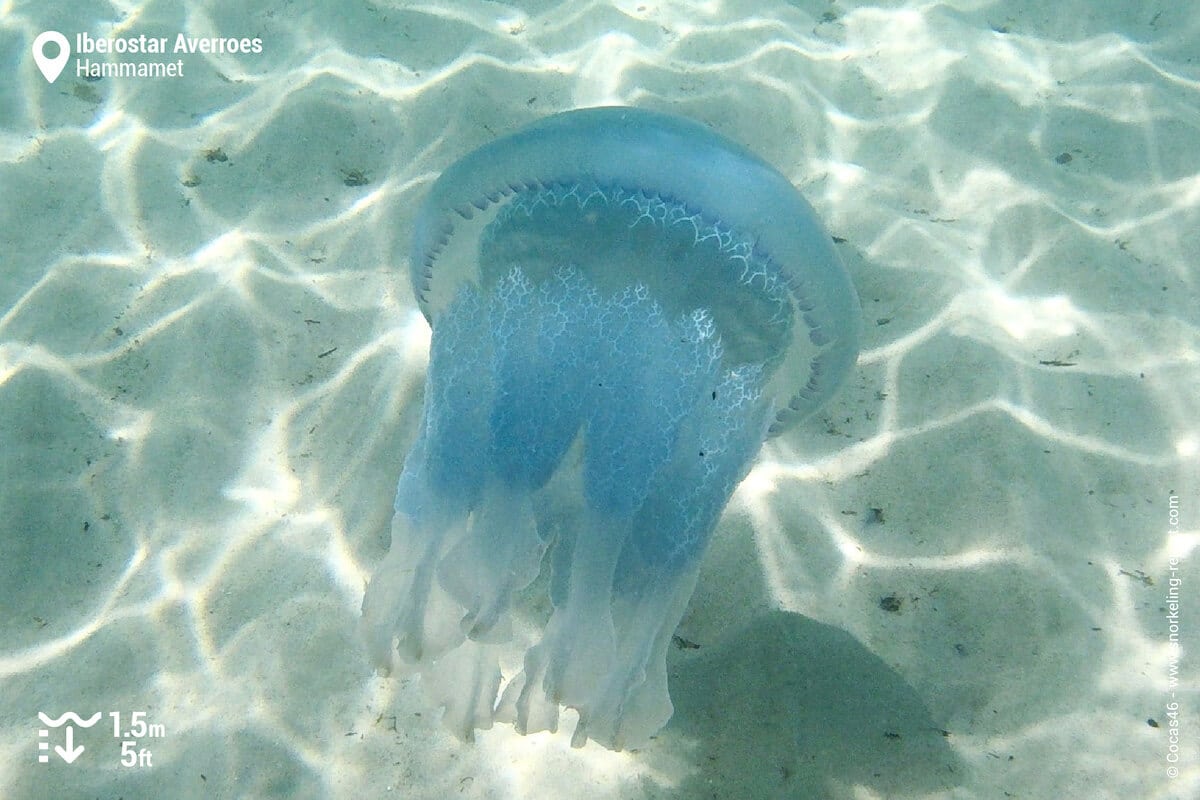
<point x="954" y="582"/>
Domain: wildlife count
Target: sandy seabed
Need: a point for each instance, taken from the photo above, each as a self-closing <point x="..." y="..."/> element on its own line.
<point x="955" y="582"/>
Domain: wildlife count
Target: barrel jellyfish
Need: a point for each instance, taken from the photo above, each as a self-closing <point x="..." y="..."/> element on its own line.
<point x="624" y="306"/>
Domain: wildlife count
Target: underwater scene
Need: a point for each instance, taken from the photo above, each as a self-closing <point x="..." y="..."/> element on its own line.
<point x="684" y="399"/>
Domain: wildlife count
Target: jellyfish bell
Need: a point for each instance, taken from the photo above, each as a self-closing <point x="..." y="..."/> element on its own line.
<point x="624" y="305"/>
<point x="763" y="238"/>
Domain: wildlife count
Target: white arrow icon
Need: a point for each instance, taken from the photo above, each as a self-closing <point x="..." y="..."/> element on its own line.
<point x="70" y="752"/>
<point x="51" y="67"/>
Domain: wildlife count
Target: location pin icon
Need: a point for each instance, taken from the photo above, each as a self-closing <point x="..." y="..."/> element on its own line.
<point x="51" y="67"/>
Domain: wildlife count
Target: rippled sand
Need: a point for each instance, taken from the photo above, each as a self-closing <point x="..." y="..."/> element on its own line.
<point x="953" y="583"/>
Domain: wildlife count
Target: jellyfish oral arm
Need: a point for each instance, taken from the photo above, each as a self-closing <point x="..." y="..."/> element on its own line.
<point x="654" y="433"/>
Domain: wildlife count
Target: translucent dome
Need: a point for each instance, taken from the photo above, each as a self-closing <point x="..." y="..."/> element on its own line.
<point x="626" y="195"/>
